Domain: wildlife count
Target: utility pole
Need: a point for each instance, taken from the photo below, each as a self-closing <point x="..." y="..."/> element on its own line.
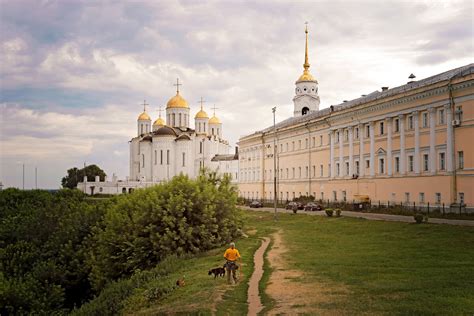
<point x="274" y="166"/>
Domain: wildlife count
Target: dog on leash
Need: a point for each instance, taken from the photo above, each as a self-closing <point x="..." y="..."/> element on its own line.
<point x="217" y="272"/>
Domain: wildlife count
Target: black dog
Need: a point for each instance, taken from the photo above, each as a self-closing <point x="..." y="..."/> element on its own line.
<point x="217" y="272"/>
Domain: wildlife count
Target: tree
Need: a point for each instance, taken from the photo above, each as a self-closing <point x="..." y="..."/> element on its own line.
<point x="74" y="176"/>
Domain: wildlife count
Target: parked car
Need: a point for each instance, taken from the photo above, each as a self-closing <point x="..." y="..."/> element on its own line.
<point x="311" y="206"/>
<point x="256" y="204"/>
<point x="294" y="205"/>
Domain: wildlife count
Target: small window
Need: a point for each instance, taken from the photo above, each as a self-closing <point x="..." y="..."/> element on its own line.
<point x="461" y="198"/>
<point x="425" y="162"/>
<point x="438" y="198"/>
<point x="461" y="159"/>
<point x="367" y="131"/>
<point x="367" y="163"/>
<point x="381" y="166"/>
<point x="381" y="128"/>
<point x="347" y="168"/>
<point x="441" y="116"/>
<point x="320" y="140"/>
<point x="442" y="163"/>
<point x="422" y="197"/>
<point x="407" y="197"/>
<point x="334" y="195"/>
<point x="458" y="113"/>
<point x="321" y="170"/>
<point x="410" y="163"/>
<point x="337" y="169"/>
<point x="357" y="167"/>
<point x="344" y="196"/>
<point x="410" y="122"/>
<point x="184" y="159"/>
<point x="397" y="164"/>
<point x="357" y="133"/>
<point x="397" y="125"/>
<point x="168" y="157"/>
<point x="425" y="119"/>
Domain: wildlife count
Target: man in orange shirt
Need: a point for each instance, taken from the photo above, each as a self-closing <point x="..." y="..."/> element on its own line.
<point x="231" y="255"/>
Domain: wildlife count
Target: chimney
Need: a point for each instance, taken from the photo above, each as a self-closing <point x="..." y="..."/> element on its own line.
<point x="384" y="88"/>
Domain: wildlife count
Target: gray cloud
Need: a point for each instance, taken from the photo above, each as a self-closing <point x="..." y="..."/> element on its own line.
<point x="74" y="72"/>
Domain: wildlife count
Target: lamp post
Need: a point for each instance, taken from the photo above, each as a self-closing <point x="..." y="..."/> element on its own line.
<point x="274" y="166"/>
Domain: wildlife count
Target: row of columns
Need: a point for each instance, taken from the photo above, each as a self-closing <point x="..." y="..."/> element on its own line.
<point x="403" y="163"/>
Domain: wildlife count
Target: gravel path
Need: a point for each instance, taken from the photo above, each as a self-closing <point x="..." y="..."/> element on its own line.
<point x="375" y="216"/>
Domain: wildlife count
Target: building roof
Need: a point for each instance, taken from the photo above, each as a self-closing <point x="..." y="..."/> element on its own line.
<point x="448" y="75"/>
<point x="228" y="157"/>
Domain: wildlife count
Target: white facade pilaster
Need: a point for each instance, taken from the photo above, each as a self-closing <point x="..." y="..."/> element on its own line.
<point x="449" y="139"/>
<point x="331" y="154"/>
<point x="372" y="149"/>
<point x="361" y="151"/>
<point x="401" y="119"/>
<point x="432" y="156"/>
<point x="417" y="142"/>
<point x="389" y="145"/>
<point x="341" y="152"/>
<point x="351" y="149"/>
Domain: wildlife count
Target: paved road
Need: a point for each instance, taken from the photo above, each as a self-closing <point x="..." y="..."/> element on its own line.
<point x="375" y="217"/>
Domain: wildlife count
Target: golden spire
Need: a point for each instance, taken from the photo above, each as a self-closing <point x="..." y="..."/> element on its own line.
<point x="306" y="64"/>
<point x="306" y="76"/>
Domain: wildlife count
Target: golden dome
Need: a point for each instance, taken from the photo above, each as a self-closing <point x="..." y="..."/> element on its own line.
<point x="306" y="76"/>
<point x="214" y="120"/>
<point x="201" y="115"/>
<point x="159" y="122"/>
<point x="144" y="117"/>
<point x="177" y="102"/>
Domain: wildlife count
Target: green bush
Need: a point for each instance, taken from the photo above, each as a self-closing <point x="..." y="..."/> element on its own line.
<point x="178" y="217"/>
<point x="338" y="212"/>
<point x="329" y="212"/>
<point x="418" y="218"/>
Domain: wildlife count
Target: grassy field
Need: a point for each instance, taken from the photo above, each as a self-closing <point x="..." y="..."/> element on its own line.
<point x="367" y="267"/>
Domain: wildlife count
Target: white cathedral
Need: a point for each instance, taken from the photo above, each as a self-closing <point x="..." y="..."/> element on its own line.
<point x="163" y="150"/>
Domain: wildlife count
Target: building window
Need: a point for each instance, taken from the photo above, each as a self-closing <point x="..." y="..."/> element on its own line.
<point x="347" y="168"/>
<point x="357" y="133"/>
<point x="320" y="140"/>
<point x="410" y="163"/>
<point x="307" y="172"/>
<point x="287" y="173"/>
<point x="314" y="171"/>
<point x="367" y="163"/>
<point x="438" y="198"/>
<point x="346" y="135"/>
<point x="337" y="137"/>
<point x="322" y="195"/>
<point x="337" y="169"/>
<point x="422" y="197"/>
<point x="168" y="157"/>
<point x="458" y="113"/>
<point x="143" y="160"/>
<point x="200" y="147"/>
<point x="381" y="128"/>
<point x="441" y="116"/>
<point x="407" y="197"/>
<point x="425" y="162"/>
<point x="397" y="164"/>
<point x="306" y="143"/>
<point x="461" y="159"/>
<point x="321" y="170"/>
<point x="461" y="198"/>
<point x="410" y="122"/>
<point x="161" y="157"/>
<point x="357" y="167"/>
<point x="287" y="147"/>
<point x="397" y="125"/>
<point x="156" y="157"/>
<point x="293" y="173"/>
<point x="314" y="141"/>
<point x="381" y="166"/>
<point x="425" y="119"/>
<point x="293" y="146"/>
<point x="299" y="172"/>
<point x="334" y="195"/>
<point x="367" y="131"/>
<point x="344" y="196"/>
<point x="442" y="163"/>
<point x="329" y="170"/>
<point x="184" y="159"/>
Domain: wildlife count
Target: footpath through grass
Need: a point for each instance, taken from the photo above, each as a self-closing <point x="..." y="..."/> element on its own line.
<point x="368" y="267"/>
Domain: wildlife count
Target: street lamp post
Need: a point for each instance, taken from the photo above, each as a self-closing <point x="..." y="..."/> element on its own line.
<point x="274" y="166"/>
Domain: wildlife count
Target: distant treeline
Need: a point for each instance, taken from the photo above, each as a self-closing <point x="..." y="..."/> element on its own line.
<point x="58" y="250"/>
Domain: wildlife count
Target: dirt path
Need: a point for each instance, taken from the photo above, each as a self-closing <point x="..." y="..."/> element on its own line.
<point x="253" y="298"/>
<point x="292" y="293"/>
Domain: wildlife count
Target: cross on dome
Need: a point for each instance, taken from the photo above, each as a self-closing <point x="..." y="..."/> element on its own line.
<point x="177" y="84"/>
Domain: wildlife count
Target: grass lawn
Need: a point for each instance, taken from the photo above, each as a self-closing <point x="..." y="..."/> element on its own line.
<point x="368" y="267"/>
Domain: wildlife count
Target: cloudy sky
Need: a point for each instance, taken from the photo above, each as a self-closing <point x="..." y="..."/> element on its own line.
<point x="73" y="73"/>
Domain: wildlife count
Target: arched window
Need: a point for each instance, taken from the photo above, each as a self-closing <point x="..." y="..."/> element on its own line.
<point x="180" y="122"/>
<point x="304" y="111"/>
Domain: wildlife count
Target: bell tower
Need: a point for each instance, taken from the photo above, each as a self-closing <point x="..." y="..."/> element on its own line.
<point x="306" y="98"/>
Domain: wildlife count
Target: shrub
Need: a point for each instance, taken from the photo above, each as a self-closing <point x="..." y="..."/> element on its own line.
<point x="338" y="212"/>
<point x="418" y="218"/>
<point x="329" y="212"/>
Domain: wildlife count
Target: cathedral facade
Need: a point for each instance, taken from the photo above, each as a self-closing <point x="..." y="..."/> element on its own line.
<point x="411" y="143"/>
<point x="164" y="149"/>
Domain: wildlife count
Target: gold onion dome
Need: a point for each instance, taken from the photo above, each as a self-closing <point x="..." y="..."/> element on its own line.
<point x="214" y="120"/>
<point x="144" y="117"/>
<point x="201" y="114"/>
<point x="306" y="76"/>
<point x="159" y="122"/>
<point x="177" y="102"/>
